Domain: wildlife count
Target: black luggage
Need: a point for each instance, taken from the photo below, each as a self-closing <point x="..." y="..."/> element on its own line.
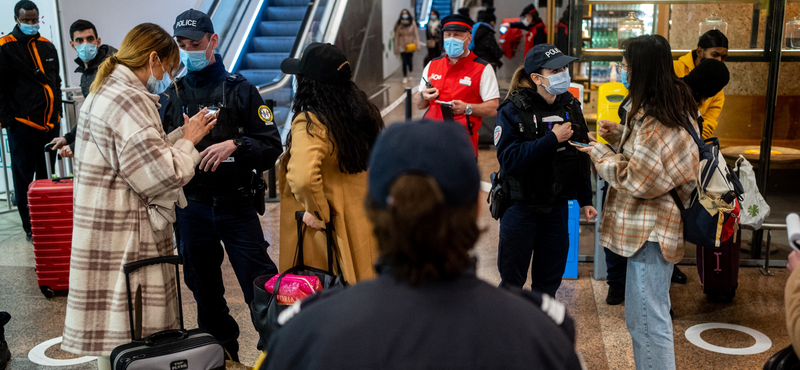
<point x="264" y="309"/>
<point x="719" y="268"/>
<point x="178" y="349"/>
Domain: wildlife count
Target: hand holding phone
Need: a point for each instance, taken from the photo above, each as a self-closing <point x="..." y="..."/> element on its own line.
<point x="577" y="144"/>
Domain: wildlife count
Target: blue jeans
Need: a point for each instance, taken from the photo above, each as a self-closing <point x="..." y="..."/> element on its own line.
<point x="647" y="308"/>
<point x="545" y="236"/>
<point x="202" y="227"/>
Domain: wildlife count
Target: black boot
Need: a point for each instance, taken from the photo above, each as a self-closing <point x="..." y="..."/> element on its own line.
<point x="616" y="295"/>
<point x="678" y="276"/>
<point x="5" y="354"/>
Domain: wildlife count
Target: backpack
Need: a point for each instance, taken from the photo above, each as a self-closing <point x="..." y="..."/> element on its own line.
<point x="713" y="212"/>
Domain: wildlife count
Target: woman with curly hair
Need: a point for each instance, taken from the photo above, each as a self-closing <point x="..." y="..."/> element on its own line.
<point x="324" y="169"/>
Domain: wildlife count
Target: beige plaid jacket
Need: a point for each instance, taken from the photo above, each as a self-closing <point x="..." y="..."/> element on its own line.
<point x="650" y="160"/>
<point x="111" y="226"/>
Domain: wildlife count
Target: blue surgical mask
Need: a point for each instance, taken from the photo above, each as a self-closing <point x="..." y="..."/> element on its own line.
<point x="559" y="83"/>
<point x="86" y="51"/>
<point x="29" y="29"/>
<point x="155" y="86"/>
<point x="453" y="47"/>
<point x="624" y="76"/>
<point x="195" y="60"/>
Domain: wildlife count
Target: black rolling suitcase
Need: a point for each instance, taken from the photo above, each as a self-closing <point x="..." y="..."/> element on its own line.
<point x="178" y="349"/>
<point x="719" y="268"/>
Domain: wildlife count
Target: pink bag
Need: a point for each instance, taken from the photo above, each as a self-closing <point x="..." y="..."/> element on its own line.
<point x="293" y="288"/>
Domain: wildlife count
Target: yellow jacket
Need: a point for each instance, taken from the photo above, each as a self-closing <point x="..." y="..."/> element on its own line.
<point x="711" y="107"/>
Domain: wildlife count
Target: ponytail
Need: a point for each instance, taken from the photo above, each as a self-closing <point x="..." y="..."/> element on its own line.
<point x="520" y="81"/>
<point x="135" y="50"/>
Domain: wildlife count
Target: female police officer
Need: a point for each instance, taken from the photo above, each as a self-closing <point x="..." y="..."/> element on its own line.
<point x="535" y="125"/>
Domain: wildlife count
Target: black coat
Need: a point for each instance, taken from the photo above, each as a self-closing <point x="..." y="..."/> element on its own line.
<point x="30" y="84"/>
<point x="89" y="72"/>
<point x="486" y="46"/>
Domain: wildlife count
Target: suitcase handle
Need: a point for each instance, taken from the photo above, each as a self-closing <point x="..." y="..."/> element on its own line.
<point x="49" y="165"/>
<point x="129" y="268"/>
<point x="179" y="334"/>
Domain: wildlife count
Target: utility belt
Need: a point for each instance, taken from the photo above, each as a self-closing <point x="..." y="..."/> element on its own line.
<point x="221" y="200"/>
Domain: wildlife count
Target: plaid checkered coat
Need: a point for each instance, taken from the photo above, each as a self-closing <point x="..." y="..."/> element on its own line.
<point x="650" y="160"/>
<point x="111" y="225"/>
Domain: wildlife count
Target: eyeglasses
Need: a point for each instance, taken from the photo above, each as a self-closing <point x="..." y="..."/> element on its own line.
<point x="620" y="67"/>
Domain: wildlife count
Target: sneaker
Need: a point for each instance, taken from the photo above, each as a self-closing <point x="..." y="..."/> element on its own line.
<point x="405" y="80"/>
<point x="29" y="236"/>
<point x="615" y="295"/>
<point x="678" y="276"/>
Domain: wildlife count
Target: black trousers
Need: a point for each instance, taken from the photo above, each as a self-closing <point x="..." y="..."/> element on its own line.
<point x="525" y="233"/>
<point x="408" y="63"/>
<point x="26" y="145"/>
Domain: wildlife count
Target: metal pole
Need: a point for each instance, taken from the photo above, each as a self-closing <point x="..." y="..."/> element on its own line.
<point x="5" y="171"/>
<point x="776" y="41"/>
<point x="600" y="268"/>
<point x="272" y="193"/>
<point x="408" y="103"/>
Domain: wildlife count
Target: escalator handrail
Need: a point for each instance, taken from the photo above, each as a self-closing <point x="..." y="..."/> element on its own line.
<point x="425" y="12"/>
<point x="297" y="49"/>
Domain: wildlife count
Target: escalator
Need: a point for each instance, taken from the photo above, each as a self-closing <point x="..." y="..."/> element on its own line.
<point x="444" y="7"/>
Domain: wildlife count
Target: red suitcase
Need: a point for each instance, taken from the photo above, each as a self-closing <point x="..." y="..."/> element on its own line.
<point x="50" y="206"/>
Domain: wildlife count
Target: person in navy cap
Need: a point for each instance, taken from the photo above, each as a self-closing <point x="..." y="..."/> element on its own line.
<point x="459" y="83"/>
<point x="223" y="199"/>
<point x="427" y="308"/>
<point x="534" y="25"/>
<point x="538" y="126"/>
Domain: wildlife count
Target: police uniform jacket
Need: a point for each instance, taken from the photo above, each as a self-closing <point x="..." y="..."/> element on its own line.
<point x="261" y="143"/>
<point x="30" y="86"/>
<point x="520" y="157"/>
<point x="460" y="324"/>
<point x="89" y="72"/>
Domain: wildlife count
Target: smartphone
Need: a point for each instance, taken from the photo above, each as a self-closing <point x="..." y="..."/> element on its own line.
<point x="575" y="143"/>
<point x="503" y="30"/>
<point x="427" y="84"/>
<point x="211" y="109"/>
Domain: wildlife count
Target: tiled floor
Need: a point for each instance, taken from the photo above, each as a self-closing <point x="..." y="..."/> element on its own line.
<point x="603" y="341"/>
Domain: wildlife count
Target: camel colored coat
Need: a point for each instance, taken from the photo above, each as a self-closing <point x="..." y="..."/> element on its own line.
<point x="312" y="182"/>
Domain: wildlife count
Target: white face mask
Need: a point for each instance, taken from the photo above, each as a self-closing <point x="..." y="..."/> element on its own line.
<point x="525" y="22"/>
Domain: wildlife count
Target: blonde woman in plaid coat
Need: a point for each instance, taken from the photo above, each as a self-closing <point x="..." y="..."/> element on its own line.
<point x="650" y="155"/>
<point x="122" y="153"/>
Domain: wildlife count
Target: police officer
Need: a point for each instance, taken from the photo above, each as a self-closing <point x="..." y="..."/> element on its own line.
<point x="243" y="144"/>
<point x="465" y="83"/>
<point x="537" y="127"/>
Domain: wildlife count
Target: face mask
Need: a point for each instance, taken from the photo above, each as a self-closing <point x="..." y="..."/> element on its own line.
<point x="525" y="22"/>
<point x="86" y="51"/>
<point x="453" y="47"/>
<point x="29" y="29"/>
<point x="434" y="18"/>
<point x="559" y="83"/>
<point x="404" y="16"/>
<point x="624" y="76"/>
<point x="195" y="60"/>
<point x="155" y="86"/>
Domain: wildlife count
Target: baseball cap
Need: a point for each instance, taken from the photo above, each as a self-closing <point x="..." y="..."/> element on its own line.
<point x="528" y="9"/>
<point x="546" y="56"/>
<point x="457" y="22"/>
<point x="320" y="62"/>
<point x="441" y="150"/>
<point x="192" y="24"/>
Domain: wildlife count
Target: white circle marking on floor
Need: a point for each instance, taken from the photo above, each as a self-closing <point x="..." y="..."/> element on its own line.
<point x="37" y="356"/>
<point x="763" y="343"/>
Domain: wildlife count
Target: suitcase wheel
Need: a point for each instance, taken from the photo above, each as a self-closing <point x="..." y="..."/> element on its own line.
<point x="48" y="293"/>
<point x="721" y="298"/>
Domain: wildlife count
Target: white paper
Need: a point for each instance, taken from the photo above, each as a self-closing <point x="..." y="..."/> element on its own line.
<point x="793" y="229"/>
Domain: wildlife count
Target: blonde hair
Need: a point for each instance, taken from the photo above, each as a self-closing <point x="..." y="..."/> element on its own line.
<point x="520" y="81"/>
<point x="135" y="51"/>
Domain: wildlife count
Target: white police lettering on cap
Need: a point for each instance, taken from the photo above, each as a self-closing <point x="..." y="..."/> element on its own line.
<point x="186" y="23"/>
<point x="552" y="52"/>
<point x="498" y="130"/>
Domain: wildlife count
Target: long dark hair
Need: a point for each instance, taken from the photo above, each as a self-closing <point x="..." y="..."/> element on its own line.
<point x="352" y="121"/>
<point x="400" y="18"/>
<point x="654" y="87"/>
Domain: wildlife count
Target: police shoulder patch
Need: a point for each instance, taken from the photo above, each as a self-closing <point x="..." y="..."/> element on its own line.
<point x="498" y="130"/>
<point x="265" y="114"/>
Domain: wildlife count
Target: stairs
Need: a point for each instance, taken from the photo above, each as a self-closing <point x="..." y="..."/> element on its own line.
<point x="271" y="43"/>
<point x="442" y="6"/>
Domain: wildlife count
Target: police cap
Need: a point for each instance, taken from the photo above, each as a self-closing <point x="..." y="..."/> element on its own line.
<point x="192" y="24"/>
<point x="546" y="56"/>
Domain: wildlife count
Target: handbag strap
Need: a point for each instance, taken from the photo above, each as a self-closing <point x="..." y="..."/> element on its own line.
<point x="299" y="260"/>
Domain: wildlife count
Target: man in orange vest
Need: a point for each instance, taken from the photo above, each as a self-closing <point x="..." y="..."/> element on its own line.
<point x="459" y="82"/>
<point x="30" y="101"/>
